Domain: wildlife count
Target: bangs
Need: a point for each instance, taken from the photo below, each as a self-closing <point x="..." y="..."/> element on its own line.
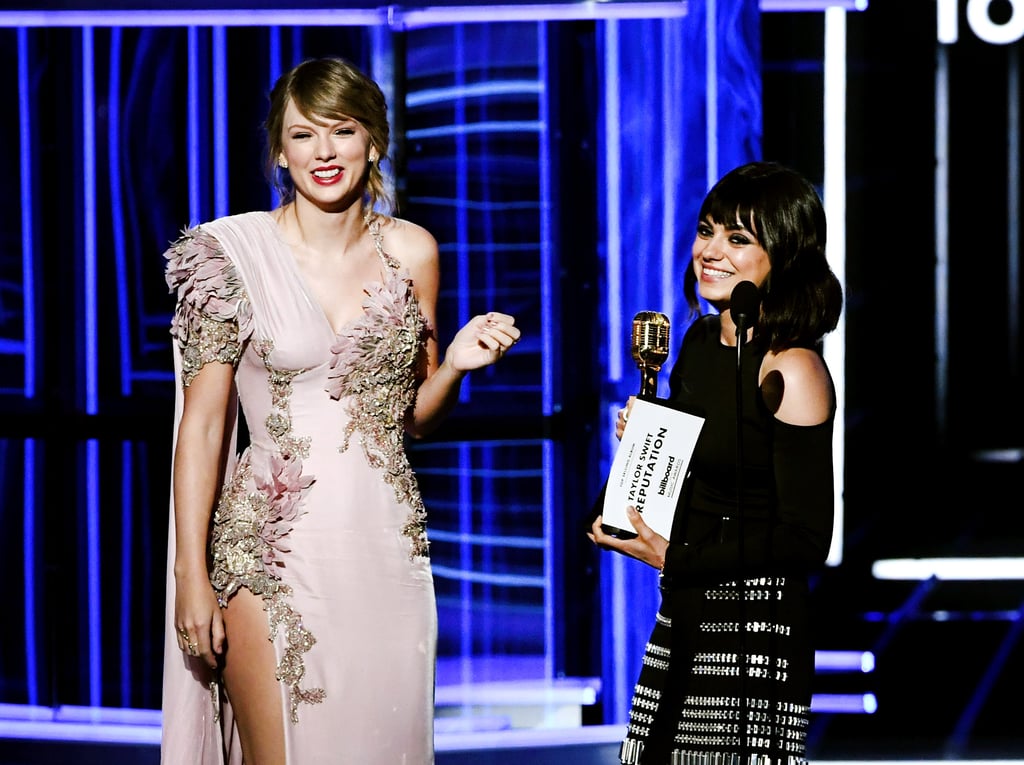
<point x="732" y="202"/>
<point x="315" y="102"/>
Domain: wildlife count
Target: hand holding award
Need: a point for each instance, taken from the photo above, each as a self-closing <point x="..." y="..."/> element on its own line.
<point x="654" y="453"/>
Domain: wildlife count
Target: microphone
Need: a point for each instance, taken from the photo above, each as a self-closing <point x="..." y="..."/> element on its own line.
<point x="650" y="349"/>
<point x="744" y="305"/>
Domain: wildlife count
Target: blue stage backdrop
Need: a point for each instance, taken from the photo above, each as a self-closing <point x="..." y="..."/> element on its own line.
<point x="560" y="163"/>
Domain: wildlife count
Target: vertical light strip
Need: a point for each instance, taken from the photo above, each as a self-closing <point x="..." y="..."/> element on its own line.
<point x="29" y="319"/>
<point x="273" y="72"/>
<point x="1013" y="204"/>
<point x="117" y="209"/>
<point x="548" y="320"/>
<point x="382" y="59"/>
<point x="467" y="500"/>
<point x="220" y="122"/>
<point x="462" y="246"/>
<point x="550" y="578"/>
<point x="547" y="350"/>
<point x="125" y="641"/>
<point x="941" y="236"/>
<point x="672" y="90"/>
<point x="616" y="611"/>
<point x="195" y="206"/>
<point x="89" y="221"/>
<point x="90" y="362"/>
<point x="124" y="333"/>
<point x="711" y="89"/>
<point x="834" y="199"/>
<point x="612" y="212"/>
<point x="27" y="233"/>
<point x="622" y="677"/>
<point x="28" y="500"/>
<point x="273" y="54"/>
<point x="465" y="481"/>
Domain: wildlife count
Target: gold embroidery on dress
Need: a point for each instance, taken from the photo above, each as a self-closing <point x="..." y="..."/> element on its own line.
<point x="216" y="341"/>
<point x="279" y="421"/>
<point x="256" y="512"/>
<point x="215" y="698"/>
<point x="374" y="366"/>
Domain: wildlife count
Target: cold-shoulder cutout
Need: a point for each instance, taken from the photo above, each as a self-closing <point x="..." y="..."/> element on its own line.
<point x="796" y="387"/>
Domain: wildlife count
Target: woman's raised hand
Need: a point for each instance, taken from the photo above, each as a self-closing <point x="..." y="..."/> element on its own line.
<point x="482" y="341"/>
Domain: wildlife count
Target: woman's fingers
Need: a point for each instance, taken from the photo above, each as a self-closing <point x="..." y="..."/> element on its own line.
<point x="502" y="330"/>
<point x="187" y="642"/>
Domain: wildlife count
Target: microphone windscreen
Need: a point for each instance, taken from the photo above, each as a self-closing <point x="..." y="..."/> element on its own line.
<point x="650" y="338"/>
<point x="745" y="303"/>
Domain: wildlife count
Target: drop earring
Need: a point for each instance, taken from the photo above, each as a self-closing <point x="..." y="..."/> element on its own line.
<point x="282" y="163"/>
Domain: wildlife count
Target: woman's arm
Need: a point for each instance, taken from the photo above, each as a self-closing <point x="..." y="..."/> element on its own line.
<point x="483" y="340"/>
<point x="203" y="437"/>
<point x="212" y="322"/>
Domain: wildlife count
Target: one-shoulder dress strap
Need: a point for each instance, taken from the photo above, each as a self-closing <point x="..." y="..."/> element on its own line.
<point x="375" y="222"/>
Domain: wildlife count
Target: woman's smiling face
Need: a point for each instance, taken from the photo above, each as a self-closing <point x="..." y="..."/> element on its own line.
<point x="724" y="256"/>
<point x="326" y="158"/>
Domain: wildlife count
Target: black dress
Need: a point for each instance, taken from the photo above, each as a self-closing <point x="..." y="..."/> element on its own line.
<point x="726" y="675"/>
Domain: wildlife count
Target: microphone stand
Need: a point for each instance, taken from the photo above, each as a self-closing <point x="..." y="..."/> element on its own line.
<point x="744" y="306"/>
<point x="741" y="336"/>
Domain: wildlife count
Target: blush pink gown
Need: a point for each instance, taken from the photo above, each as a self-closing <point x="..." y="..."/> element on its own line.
<point x="320" y="515"/>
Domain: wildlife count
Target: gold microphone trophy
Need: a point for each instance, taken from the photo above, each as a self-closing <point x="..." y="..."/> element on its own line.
<point x="650" y="349"/>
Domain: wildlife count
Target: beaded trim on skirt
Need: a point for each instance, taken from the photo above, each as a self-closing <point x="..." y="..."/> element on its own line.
<point x="736" y="697"/>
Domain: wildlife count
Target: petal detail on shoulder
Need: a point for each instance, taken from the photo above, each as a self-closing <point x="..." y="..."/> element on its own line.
<point x="210" y="293"/>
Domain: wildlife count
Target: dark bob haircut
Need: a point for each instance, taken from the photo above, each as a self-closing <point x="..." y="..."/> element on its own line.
<point x="801" y="299"/>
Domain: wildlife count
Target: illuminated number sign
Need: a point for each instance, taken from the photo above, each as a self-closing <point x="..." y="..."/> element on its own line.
<point x="980" y="22"/>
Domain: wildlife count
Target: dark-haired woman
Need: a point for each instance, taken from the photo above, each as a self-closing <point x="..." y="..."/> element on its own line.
<point x="727" y="672"/>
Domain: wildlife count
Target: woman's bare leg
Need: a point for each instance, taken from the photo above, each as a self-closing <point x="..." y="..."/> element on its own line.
<point x="250" y="665"/>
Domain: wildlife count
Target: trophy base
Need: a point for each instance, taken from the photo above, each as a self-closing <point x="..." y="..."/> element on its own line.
<point x="615" y="531"/>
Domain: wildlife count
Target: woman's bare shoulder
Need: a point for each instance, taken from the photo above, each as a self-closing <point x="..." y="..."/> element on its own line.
<point x="797" y="387"/>
<point x="410" y="243"/>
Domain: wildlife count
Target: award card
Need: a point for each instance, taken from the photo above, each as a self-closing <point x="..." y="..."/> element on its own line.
<point x="649" y="467"/>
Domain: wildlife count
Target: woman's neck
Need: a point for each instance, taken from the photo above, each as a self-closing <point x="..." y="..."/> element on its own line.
<point x="319" y="230"/>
